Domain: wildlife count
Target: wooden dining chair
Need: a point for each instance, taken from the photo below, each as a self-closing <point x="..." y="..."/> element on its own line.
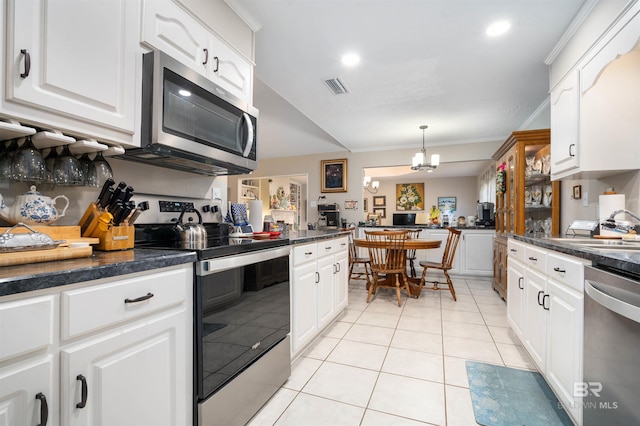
<point x="388" y="261"/>
<point x="355" y="260"/>
<point x="447" y="261"/>
<point x="411" y="254"/>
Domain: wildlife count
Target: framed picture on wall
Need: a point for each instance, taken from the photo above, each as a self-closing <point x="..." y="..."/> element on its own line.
<point x="447" y="205"/>
<point x="380" y="211"/>
<point x="334" y="175"/>
<point x="351" y="205"/>
<point x="410" y="196"/>
<point x="379" y="201"/>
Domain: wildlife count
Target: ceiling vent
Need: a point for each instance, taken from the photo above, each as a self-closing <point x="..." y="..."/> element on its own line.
<point x="336" y="86"/>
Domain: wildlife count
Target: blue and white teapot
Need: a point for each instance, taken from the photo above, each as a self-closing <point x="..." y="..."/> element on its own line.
<point x="32" y="208"/>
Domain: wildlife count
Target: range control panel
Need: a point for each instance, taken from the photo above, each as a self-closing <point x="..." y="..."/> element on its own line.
<point x="174" y="206"/>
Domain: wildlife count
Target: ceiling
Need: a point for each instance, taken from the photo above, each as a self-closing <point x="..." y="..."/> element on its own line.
<point x="422" y="62"/>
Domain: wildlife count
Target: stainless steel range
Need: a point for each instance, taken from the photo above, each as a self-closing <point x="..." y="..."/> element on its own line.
<point x="241" y="313"/>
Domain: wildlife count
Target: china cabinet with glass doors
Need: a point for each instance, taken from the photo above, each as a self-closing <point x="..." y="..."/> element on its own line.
<point x="527" y="201"/>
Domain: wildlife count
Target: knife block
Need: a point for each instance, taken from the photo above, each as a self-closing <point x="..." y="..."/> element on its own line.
<point x="120" y="237"/>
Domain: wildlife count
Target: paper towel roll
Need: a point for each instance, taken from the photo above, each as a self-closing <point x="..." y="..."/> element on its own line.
<point x="255" y="215"/>
<point x="609" y="204"/>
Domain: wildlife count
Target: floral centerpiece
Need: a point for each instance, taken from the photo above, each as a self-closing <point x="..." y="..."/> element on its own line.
<point x="409" y="198"/>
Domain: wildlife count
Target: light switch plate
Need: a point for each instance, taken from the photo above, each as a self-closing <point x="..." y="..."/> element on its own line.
<point x="215" y="193"/>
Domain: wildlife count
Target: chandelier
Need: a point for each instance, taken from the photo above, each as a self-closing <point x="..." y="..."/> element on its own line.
<point x="370" y="186"/>
<point x="419" y="161"/>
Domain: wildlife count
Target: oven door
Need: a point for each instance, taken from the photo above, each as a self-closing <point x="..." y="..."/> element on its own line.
<point x="242" y="310"/>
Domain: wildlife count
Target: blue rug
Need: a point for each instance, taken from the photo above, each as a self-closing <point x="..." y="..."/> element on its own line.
<point x="503" y="396"/>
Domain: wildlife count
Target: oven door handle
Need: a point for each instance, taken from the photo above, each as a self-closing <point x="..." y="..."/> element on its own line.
<point x="219" y="264"/>
<point x="595" y="291"/>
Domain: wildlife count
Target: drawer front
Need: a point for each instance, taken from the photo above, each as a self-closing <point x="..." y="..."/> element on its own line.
<point x="326" y="247"/>
<point x="516" y="250"/>
<point x="91" y="308"/>
<point x="341" y="244"/>
<point x="536" y="258"/>
<point x="566" y="270"/>
<point x="27" y="326"/>
<point x="304" y="253"/>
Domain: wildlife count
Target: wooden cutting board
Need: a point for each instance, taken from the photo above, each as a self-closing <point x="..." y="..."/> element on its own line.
<point x="34" y="256"/>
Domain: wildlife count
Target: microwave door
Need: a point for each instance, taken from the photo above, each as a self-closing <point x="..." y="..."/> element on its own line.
<point x="248" y="142"/>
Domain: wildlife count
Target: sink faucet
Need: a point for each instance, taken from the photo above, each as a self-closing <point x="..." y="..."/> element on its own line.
<point x="610" y="223"/>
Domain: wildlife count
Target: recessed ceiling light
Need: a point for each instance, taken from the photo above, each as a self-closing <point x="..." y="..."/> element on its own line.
<point x="350" y="60"/>
<point x="498" y="28"/>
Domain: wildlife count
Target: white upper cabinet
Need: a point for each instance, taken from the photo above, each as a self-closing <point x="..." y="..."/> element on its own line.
<point x="74" y="65"/>
<point x="564" y="124"/>
<point x="169" y="28"/>
<point x="595" y="110"/>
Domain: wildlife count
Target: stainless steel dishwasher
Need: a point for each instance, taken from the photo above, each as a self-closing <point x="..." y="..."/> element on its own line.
<point x="611" y="348"/>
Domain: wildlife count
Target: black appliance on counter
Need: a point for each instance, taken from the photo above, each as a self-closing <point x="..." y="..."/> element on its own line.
<point x="241" y="311"/>
<point x="486" y="213"/>
<point x="191" y="124"/>
<point x="329" y="215"/>
<point x="406" y="219"/>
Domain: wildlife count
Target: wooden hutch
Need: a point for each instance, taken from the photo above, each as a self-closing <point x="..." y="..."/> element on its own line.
<point x="527" y="201"/>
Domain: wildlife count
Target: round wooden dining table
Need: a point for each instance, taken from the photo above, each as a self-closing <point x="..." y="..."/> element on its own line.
<point x="409" y="244"/>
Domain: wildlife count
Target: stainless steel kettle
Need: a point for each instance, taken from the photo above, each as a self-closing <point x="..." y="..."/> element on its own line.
<point x="191" y="235"/>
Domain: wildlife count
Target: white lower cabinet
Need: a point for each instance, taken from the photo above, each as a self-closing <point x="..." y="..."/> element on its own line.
<point x="128" y="376"/>
<point x="123" y="358"/>
<point x="319" y="288"/>
<point x="476" y="252"/>
<point x="545" y="310"/>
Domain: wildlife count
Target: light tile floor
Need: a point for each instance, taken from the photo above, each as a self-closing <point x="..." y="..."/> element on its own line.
<point x="381" y="364"/>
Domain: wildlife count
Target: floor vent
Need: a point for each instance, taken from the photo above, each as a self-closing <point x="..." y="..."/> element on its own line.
<point x="336" y="86"/>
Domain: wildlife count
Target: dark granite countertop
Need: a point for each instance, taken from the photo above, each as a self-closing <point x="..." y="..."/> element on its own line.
<point x="307" y="236"/>
<point x="624" y="260"/>
<point x="37" y="276"/>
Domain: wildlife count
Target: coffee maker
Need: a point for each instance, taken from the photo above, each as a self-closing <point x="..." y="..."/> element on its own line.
<point x="329" y="215"/>
<point x="485" y="214"/>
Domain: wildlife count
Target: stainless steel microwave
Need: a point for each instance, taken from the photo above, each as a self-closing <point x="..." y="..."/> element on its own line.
<point x="191" y="124"/>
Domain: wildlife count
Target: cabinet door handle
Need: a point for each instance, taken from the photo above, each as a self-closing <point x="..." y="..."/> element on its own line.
<point x="308" y="253"/>
<point x="27" y="63"/>
<point x="571" y="153"/>
<point x="540" y="301"/>
<point x="215" y="58"/>
<point x="317" y="277"/>
<point x="546" y="297"/>
<point x="562" y="271"/>
<point x="339" y="267"/>
<point x="533" y="259"/>
<point x="206" y="56"/>
<point x="44" y="409"/>
<point x="139" y="299"/>
<point x="520" y="279"/>
<point x="85" y="391"/>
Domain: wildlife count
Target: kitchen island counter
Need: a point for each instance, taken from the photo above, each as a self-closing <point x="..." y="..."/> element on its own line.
<point x="307" y="236"/>
<point x="625" y="260"/>
<point x="37" y="276"/>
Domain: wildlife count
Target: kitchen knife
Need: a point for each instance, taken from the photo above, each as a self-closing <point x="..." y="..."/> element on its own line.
<point x="143" y="206"/>
<point x="104" y="196"/>
<point x="116" y="210"/>
<point x="122" y="215"/>
<point x="118" y="195"/>
<point x="128" y="193"/>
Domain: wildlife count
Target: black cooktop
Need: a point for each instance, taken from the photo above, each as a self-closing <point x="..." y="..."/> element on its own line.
<point x="218" y="244"/>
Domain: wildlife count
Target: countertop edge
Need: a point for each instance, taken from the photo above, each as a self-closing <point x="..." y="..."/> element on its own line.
<point x="99" y="265"/>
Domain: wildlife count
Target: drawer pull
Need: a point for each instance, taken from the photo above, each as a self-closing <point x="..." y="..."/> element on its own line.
<point x="44" y="409"/>
<point x="562" y="271"/>
<point x="308" y="253"/>
<point x="27" y="63"/>
<point x="139" y="299"/>
<point x="533" y="259"/>
<point x="85" y="391"/>
<point x="513" y="250"/>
